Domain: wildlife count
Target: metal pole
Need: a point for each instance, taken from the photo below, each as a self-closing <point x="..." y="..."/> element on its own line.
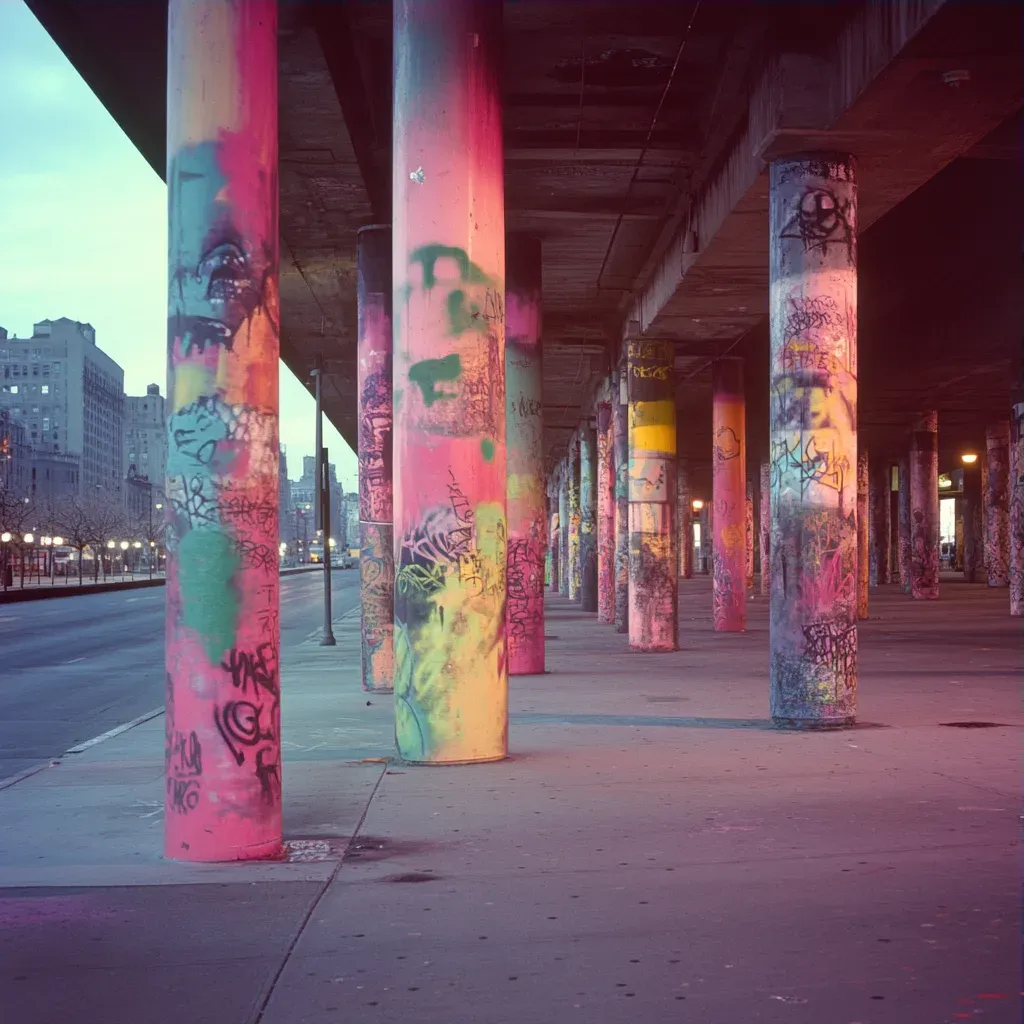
<point x="317" y="375"/>
<point x="325" y="490"/>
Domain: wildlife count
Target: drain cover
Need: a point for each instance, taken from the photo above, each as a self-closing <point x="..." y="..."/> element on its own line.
<point x="974" y="725"/>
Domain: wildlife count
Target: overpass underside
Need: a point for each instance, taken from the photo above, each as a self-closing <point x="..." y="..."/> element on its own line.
<point x="582" y="279"/>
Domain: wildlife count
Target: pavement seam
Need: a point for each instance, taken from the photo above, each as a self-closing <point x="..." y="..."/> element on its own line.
<point x="268" y="994"/>
<point x="80" y="748"/>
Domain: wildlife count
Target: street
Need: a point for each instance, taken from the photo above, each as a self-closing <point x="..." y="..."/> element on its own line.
<point x="73" y="667"/>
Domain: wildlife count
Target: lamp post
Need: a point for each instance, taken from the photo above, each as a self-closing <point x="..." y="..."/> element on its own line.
<point x="28" y="540"/>
<point x="5" y="568"/>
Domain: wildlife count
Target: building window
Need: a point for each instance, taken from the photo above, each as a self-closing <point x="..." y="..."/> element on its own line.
<point x="14" y="391"/>
<point x="46" y="389"/>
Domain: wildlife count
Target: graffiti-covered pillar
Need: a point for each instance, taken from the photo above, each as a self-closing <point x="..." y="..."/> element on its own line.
<point x="997" y="516"/>
<point x="575" y="521"/>
<point x="924" y="508"/>
<point x="972" y="521"/>
<point x="903" y="518"/>
<point x="684" y="512"/>
<point x="451" y="669"/>
<point x="880" y="521"/>
<point x="729" y="493"/>
<point x="223" y="741"/>
<point x="605" y="515"/>
<point x="764" y="526"/>
<point x="749" y="534"/>
<point x="563" y="527"/>
<point x="1017" y="510"/>
<point x="620" y="453"/>
<point x="376" y="536"/>
<point x="813" y="427"/>
<point x="554" y="534"/>
<point x="653" y="572"/>
<point x="527" y="508"/>
<point x="588" y="519"/>
<point x="863" y="534"/>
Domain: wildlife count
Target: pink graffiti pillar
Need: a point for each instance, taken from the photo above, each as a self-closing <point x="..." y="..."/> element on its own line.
<point x="451" y="668"/>
<point x="605" y="514"/>
<point x="813" y="432"/>
<point x="653" y="568"/>
<point x="764" y="528"/>
<point x="563" y="527"/>
<point x="223" y="745"/>
<point x="527" y="538"/>
<point x="1017" y="510"/>
<point x="997" y="520"/>
<point x="924" y="508"/>
<point x="376" y="533"/>
<point x="863" y="567"/>
<point x="729" y="488"/>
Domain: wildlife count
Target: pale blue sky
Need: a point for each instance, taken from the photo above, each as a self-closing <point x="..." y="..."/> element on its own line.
<point x="83" y="226"/>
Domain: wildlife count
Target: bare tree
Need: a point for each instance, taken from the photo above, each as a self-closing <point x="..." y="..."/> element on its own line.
<point x="17" y="512"/>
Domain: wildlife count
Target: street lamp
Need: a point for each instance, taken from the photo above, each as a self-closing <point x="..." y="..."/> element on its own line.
<point x="969" y="458"/>
<point x="697" y="504"/>
<point x="5" y="568"/>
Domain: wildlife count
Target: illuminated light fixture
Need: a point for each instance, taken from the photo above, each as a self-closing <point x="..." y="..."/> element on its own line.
<point x="110" y="544"/>
<point x="29" y="538"/>
<point x="945" y="482"/>
<point x="282" y="547"/>
<point x="697" y="504"/>
<point x="969" y="458"/>
<point x="137" y="544"/>
<point x="124" y="545"/>
<point x="5" y="537"/>
<point x="58" y="541"/>
<point x="332" y="542"/>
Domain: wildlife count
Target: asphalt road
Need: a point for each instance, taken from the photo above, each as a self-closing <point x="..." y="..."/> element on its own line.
<point x="74" y="667"/>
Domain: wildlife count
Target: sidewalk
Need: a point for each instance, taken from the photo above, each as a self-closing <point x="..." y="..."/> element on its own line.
<point x="652" y="851"/>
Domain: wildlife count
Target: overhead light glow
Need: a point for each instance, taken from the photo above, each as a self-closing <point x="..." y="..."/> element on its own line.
<point x="969" y="458"/>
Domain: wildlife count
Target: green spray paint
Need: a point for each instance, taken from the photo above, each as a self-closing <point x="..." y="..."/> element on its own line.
<point x="487" y="449"/>
<point x="428" y="372"/>
<point x="207" y="563"/>
<point x="428" y="255"/>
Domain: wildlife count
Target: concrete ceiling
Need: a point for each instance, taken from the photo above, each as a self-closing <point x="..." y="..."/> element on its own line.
<point x="620" y="121"/>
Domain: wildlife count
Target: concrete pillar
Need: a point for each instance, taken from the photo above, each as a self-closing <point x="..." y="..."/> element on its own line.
<point x="653" y="577"/>
<point x="620" y="452"/>
<point x="972" y="522"/>
<point x="684" y="512"/>
<point x="997" y="522"/>
<point x="729" y="490"/>
<point x="563" y="526"/>
<point x="765" y="528"/>
<point x="223" y="738"/>
<point x="575" y="522"/>
<point x="1017" y="510"/>
<point x="813" y="426"/>
<point x="451" y="666"/>
<point x="903" y="520"/>
<point x="527" y="507"/>
<point x="588" y="518"/>
<point x="376" y="529"/>
<point x="863" y="554"/>
<point x="554" y="536"/>
<point x="880" y="487"/>
<point x="749" y="534"/>
<point x="605" y="515"/>
<point x="924" y="508"/>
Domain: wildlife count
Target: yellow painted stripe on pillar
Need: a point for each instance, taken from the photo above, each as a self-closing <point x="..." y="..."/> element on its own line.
<point x="653" y="426"/>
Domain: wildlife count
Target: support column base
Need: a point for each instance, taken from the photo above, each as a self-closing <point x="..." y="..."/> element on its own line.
<point x="450" y="764"/>
<point x="813" y="724"/>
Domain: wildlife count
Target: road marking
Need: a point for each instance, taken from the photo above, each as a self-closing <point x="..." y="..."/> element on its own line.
<point x="111" y="733"/>
<point x="73" y="660"/>
<point x="9" y="618"/>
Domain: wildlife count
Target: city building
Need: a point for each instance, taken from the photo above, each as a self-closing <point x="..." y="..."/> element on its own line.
<point x="69" y="395"/>
<point x="145" y="437"/>
<point x="53" y="475"/>
<point x="286" y="527"/>
<point x="352" y="541"/>
<point x="303" y="493"/>
<point x="15" y="455"/>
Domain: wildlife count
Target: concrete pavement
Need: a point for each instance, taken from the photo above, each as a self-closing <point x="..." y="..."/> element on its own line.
<point x="653" y="850"/>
